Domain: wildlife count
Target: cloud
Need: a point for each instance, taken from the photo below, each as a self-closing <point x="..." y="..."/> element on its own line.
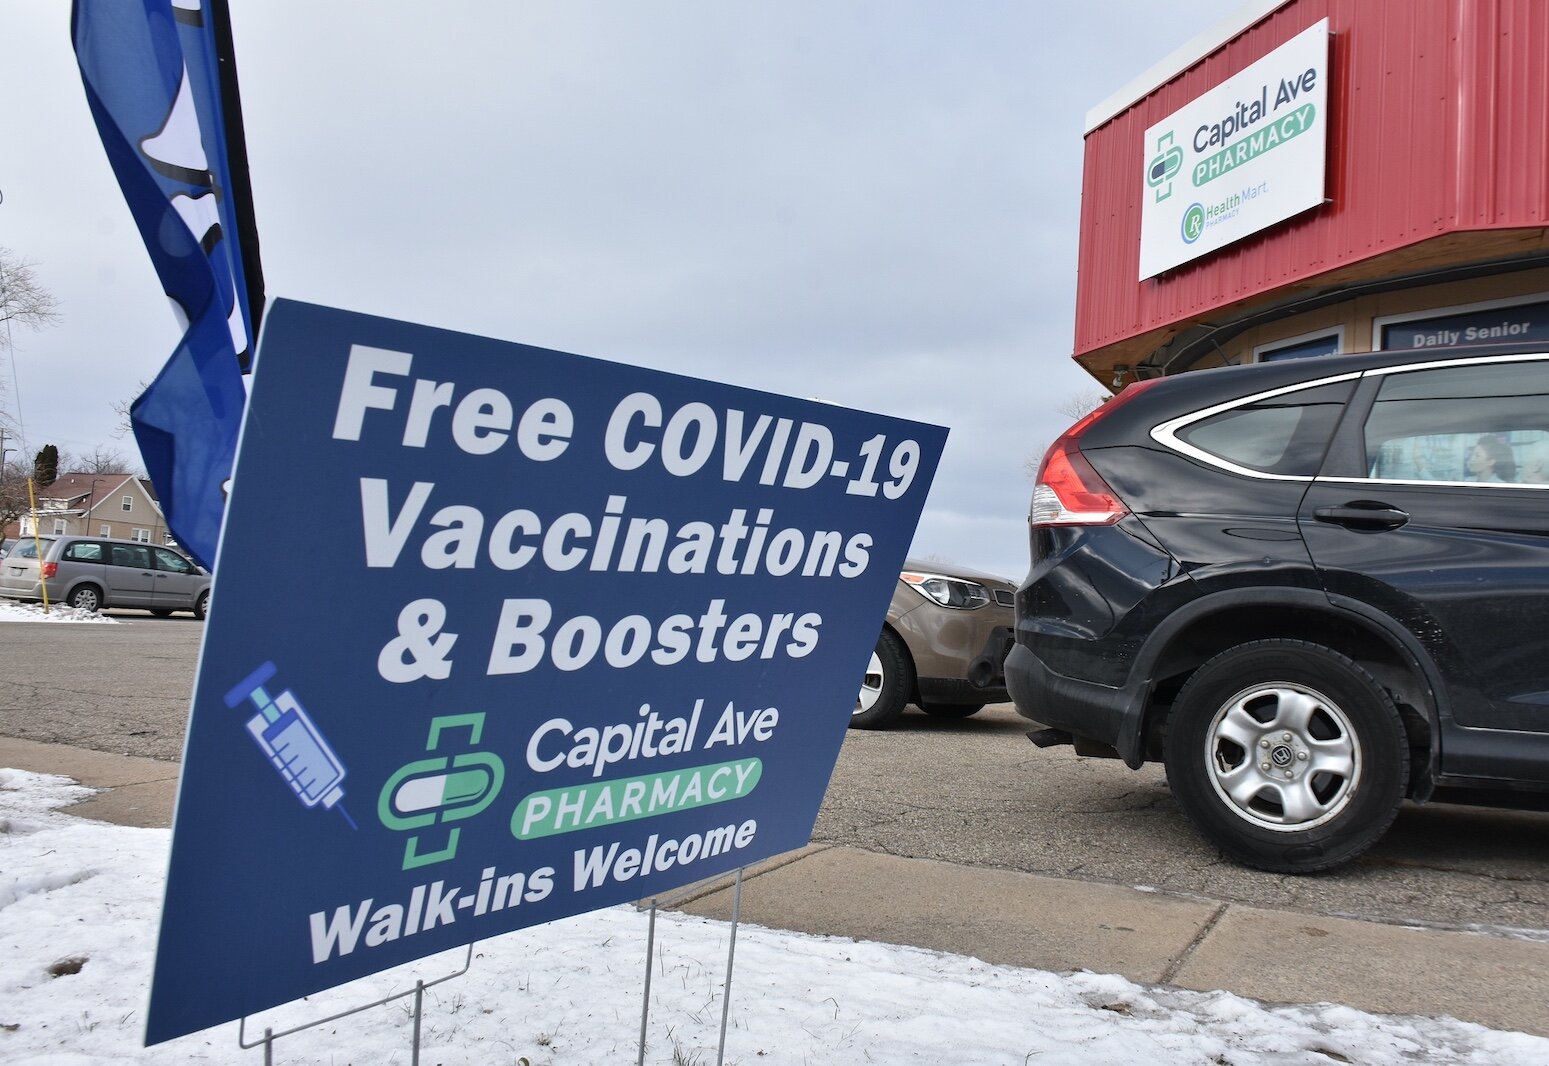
<point x="872" y="202"/>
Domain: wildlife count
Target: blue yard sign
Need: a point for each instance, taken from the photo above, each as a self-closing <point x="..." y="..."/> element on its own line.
<point x="503" y="635"/>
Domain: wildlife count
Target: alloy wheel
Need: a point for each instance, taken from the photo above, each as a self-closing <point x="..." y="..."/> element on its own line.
<point x="1283" y="757"/>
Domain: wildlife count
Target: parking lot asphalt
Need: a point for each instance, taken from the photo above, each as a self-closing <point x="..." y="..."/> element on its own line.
<point x="1020" y="919"/>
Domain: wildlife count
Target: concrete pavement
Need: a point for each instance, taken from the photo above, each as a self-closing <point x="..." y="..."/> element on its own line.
<point x="1020" y="919"/>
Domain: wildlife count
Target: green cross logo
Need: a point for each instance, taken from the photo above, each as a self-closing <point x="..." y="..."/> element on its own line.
<point x="1164" y="166"/>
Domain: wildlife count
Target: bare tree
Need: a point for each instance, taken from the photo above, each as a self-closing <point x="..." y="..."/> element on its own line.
<point x="24" y="301"/>
<point x="14" y="501"/>
<point x="101" y="461"/>
<point x="1078" y="404"/>
<point x="1072" y="407"/>
<point x="125" y="427"/>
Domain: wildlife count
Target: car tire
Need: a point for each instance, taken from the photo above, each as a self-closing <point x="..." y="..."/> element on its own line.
<point x="202" y="605"/>
<point x="886" y="687"/>
<point x="1287" y="756"/>
<point x="86" y="598"/>
<point x="952" y="710"/>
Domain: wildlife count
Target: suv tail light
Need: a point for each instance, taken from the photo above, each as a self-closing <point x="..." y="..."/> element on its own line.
<point x="1069" y="491"/>
<point x="49" y="570"/>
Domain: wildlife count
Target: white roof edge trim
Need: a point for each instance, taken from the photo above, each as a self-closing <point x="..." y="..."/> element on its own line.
<point x="1402" y="368"/>
<point x="1180" y="60"/>
<point x="1166" y="434"/>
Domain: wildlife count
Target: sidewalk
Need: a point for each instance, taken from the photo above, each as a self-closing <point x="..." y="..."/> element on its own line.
<point x="1018" y="919"/>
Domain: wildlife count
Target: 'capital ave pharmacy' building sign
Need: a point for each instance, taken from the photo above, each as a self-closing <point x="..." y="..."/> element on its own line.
<point x="1247" y="154"/>
<point x="502" y="635"/>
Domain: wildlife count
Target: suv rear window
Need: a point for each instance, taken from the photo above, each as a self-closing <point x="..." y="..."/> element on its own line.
<point x="1283" y="434"/>
<point x="84" y="551"/>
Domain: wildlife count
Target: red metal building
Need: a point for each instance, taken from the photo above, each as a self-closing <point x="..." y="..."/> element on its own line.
<point x="1436" y="191"/>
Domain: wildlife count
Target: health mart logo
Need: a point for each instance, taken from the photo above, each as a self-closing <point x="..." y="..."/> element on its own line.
<point x="1164" y="166"/>
<point x="1193" y="223"/>
<point x="1198" y="217"/>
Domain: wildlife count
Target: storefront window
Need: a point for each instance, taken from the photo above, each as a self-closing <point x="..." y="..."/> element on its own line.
<point x="1492" y="323"/>
<point x="1301" y="348"/>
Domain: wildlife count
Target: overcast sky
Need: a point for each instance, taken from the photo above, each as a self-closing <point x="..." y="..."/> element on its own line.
<point x="872" y="202"/>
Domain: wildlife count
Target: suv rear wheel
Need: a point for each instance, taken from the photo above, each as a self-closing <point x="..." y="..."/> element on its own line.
<point x="1288" y="756"/>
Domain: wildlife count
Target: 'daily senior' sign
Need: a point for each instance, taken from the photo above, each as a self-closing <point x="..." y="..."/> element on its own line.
<point x="1247" y="154"/>
<point x="502" y="635"/>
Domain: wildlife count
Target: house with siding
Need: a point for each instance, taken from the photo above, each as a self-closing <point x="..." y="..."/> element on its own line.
<point x="100" y="505"/>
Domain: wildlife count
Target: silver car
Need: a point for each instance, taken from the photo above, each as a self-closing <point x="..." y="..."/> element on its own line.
<point x="90" y="573"/>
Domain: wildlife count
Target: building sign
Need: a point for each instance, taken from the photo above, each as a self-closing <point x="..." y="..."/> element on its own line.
<point x="1249" y="153"/>
<point x="502" y="635"/>
<point x="1501" y="324"/>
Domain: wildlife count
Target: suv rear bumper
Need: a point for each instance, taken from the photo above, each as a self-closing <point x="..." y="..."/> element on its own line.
<point x="1081" y="708"/>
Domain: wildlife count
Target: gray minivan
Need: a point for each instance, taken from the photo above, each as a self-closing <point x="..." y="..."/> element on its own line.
<point x="90" y="573"/>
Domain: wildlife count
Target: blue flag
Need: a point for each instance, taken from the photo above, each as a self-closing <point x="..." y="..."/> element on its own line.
<point x="161" y="83"/>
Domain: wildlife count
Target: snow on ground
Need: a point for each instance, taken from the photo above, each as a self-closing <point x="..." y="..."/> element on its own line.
<point x="79" y="904"/>
<point x="12" y="611"/>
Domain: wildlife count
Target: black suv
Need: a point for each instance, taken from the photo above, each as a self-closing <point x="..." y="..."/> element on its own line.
<point x="1311" y="588"/>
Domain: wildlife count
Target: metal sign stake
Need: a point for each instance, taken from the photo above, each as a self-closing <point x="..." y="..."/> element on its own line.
<point x="731" y="958"/>
<point x="645" y="1004"/>
<point x="419" y="1004"/>
<point x="418" y="992"/>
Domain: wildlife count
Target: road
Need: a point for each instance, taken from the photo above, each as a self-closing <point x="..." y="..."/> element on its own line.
<point x="972" y="791"/>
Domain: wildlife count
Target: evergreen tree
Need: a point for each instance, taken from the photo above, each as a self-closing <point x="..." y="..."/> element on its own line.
<point x="45" y="468"/>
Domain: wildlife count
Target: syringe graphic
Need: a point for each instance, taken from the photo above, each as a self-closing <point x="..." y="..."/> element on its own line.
<point x="290" y="738"/>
